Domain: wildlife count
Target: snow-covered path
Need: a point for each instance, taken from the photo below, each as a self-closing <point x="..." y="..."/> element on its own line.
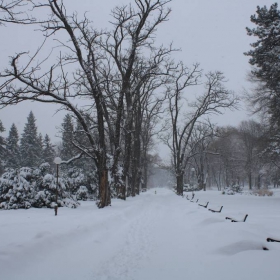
<point x="153" y="236"/>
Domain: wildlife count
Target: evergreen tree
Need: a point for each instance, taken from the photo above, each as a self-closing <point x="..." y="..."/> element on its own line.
<point x="266" y="53"/>
<point x="265" y="57"/>
<point x="40" y="149"/>
<point x="30" y="147"/>
<point x="68" y="150"/>
<point x="2" y="140"/>
<point x="48" y="150"/>
<point x="2" y="147"/>
<point x="13" y="152"/>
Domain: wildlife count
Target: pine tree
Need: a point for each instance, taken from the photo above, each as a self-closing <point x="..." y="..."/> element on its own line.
<point x="2" y="140"/>
<point x="30" y="147"/>
<point x="68" y="150"/>
<point x="48" y="150"/>
<point x="265" y="58"/>
<point x="2" y="148"/>
<point x="40" y="149"/>
<point x="266" y="53"/>
<point x="13" y="152"/>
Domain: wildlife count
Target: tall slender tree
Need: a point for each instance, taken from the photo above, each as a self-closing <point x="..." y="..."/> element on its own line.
<point x="2" y="141"/>
<point x="265" y="55"/>
<point x="48" y="150"/>
<point x="40" y="148"/>
<point x="30" y="148"/>
<point x="265" y="59"/>
<point x="265" y="74"/>
<point x="13" y="152"/>
<point x="68" y="150"/>
<point x="2" y="147"/>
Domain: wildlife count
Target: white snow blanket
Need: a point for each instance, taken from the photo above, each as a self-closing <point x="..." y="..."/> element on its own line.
<point x="150" y="237"/>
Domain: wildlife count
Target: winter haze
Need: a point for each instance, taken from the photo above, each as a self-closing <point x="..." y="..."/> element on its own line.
<point x="113" y="205"/>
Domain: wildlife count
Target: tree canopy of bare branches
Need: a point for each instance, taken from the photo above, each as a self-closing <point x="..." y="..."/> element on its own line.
<point x="108" y="69"/>
<point x="17" y="11"/>
<point x="212" y="100"/>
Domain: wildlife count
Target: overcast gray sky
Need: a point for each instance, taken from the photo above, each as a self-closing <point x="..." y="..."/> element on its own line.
<point x="211" y="32"/>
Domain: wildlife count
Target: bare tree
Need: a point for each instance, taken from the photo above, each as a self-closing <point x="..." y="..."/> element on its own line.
<point x="110" y="73"/>
<point x="133" y="34"/>
<point x="214" y="98"/>
<point x="201" y="139"/>
<point x="250" y="134"/>
<point x="148" y="110"/>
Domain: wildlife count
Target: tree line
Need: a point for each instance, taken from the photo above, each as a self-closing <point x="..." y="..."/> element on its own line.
<point x="120" y="88"/>
<point x="29" y="150"/>
<point x="234" y="156"/>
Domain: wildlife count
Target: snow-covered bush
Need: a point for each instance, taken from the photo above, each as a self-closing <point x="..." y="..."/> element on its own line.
<point x="15" y="189"/>
<point x="47" y="199"/>
<point x="82" y="193"/>
<point x="44" y="199"/>
<point x="191" y="187"/>
<point x="26" y="173"/>
<point x="233" y="189"/>
<point x="74" y="178"/>
<point x="46" y="195"/>
<point x="27" y="187"/>
<point x="45" y="168"/>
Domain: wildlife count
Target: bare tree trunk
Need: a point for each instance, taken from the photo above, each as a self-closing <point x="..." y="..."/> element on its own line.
<point x="127" y="149"/>
<point x="259" y="181"/>
<point x="180" y="183"/>
<point x="104" y="191"/>
<point x="145" y="169"/>
<point x="250" y="180"/>
<point x="136" y="163"/>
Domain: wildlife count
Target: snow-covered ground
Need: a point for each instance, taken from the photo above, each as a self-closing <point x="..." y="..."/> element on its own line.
<point x="150" y="237"/>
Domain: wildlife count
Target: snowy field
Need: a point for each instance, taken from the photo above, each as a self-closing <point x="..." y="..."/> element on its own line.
<point x="151" y="237"/>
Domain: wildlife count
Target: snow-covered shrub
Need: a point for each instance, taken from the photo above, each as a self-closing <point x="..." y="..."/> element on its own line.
<point x="26" y="173"/>
<point x="45" y="168"/>
<point x="233" y="189"/>
<point x="191" y="187"/>
<point x="47" y="199"/>
<point x="15" y="189"/>
<point x="27" y="187"/>
<point x="46" y="190"/>
<point x="44" y="199"/>
<point x="46" y="196"/>
<point x="74" y="178"/>
<point x="69" y="202"/>
<point x="82" y="193"/>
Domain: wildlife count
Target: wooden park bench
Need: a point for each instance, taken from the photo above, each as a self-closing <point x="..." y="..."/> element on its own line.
<point x="269" y="239"/>
<point x="235" y="221"/>
<point x="272" y="240"/>
<point x="205" y="206"/>
<point x="187" y="197"/>
<point x="216" y="211"/>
